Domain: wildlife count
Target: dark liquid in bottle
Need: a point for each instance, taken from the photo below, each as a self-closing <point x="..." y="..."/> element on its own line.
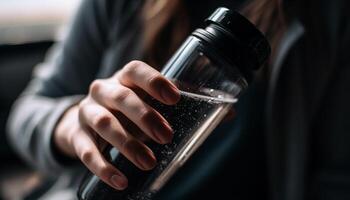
<point x="192" y="119"/>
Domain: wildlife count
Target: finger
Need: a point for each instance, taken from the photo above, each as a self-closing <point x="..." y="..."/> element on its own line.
<point x="137" y="73"/>
<point x="109" y="128"/>
<point x="89" y="154"/>
<point x="123" y="99"/>
<point x="131" y="127"/>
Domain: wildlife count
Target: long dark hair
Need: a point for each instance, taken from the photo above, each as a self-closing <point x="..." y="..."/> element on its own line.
<point x="166" y="25"/>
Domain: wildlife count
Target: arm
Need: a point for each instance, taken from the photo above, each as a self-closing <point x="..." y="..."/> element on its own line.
<point x="57" y="85"/>
<point x="54" y="121"/>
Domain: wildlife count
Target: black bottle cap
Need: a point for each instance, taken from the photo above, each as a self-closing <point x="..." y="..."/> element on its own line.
<point x="246" y="35"/>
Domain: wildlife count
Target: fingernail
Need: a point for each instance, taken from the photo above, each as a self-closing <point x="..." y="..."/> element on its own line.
<point x="119" y="182"/>
<point x="163" y="133"/>
<point x="147" y="161"/>
<point x="170" y="94"/>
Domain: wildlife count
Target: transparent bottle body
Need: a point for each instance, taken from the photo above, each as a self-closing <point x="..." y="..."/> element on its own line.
<point x="209" y="87"/>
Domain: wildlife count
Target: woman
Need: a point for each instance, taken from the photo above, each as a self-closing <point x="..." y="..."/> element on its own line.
<point x="77" y="102"/>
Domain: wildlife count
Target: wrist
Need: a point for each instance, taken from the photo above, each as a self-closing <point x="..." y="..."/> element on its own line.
<point x="63" y="132"/>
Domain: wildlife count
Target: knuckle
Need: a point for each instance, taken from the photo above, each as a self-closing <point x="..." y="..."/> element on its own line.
<point x="123" y="144"/>
<point x="104" y="172"/>
<point x="82" y="109"/>
<point x="132" y="67"/>
<point x="87" y="157"/>
<point x="95" y="86"/>
<point x="128" y="145"/>
<point x="145" y="114"/>
<point x="156" y="81"/>
<point x="102" y="121"/>
<point x="83" y="103"/>
<point x="121" y="94"/>
<point x="75" y="137"/>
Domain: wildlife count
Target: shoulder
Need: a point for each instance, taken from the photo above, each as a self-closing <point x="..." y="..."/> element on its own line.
<point x="108" y="11"/>
<point x="120" y="10"/>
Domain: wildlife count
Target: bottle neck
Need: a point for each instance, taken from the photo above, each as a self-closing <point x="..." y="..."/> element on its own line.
<point x="228" y="47"/>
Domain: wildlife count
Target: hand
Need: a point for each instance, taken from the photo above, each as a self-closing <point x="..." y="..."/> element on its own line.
<point x="113" y="112"/>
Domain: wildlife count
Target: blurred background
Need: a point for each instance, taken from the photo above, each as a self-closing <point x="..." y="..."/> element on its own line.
<point x="27" y="30"/>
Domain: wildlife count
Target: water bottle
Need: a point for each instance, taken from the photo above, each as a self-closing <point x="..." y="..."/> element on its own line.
<point x="212" y="68"/>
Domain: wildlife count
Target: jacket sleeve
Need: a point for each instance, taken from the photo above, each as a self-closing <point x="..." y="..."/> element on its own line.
<point x="58" y="83"/>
